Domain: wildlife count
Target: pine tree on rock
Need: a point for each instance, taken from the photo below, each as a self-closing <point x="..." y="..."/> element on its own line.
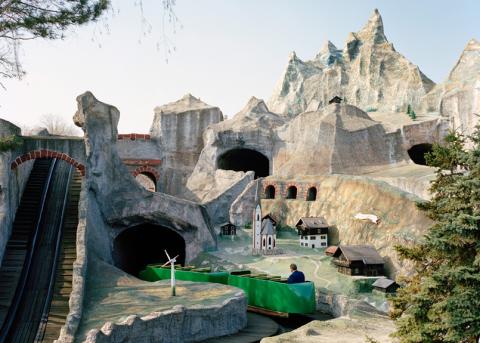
<point x="440" y="302"/>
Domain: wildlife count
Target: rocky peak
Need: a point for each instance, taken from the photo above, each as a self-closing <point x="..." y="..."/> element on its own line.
<point x="255" y="105"/>
<point x="187" y="103"/>
<point x="368" y="73"/>
<point x="329" y="54"/>
<point x="373" y="30"/>
<point x="468" y="65"/>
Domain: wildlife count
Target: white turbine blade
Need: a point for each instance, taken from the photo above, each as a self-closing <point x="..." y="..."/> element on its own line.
<point x="166" y="263"/>
<point x="167" y="255"/>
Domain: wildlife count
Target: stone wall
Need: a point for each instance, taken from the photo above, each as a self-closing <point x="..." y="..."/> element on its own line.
<point x="340" y="198"/>
<point x="12" y="184"/>
<point x="179" y="324"/>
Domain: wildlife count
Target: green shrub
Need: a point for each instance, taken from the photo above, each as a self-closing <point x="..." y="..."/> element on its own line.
<point x="371" y="109"/>
<point x="10" y="143"/>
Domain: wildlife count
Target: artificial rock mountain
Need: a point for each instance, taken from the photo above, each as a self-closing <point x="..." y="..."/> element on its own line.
<point x="368" y="73"/>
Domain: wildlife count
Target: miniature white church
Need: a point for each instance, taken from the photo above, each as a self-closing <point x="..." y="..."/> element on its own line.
<point x="264" y="231"/>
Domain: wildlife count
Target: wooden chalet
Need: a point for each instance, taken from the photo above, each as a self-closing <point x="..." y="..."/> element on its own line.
<point x="385" y="285"/>
<point x="228" y="229"/>
<point x="358" y="260"/>
<point x="313" y="232"/>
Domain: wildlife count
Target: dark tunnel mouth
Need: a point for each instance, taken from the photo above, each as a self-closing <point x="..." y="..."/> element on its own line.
<point x="242" y="159"/>
<point x="138" y="246"/>
<point x="417" y="153"/>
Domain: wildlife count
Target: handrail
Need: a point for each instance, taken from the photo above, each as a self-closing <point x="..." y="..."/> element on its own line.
<point x="12" y="311"/>
<point x="51" y="285"/>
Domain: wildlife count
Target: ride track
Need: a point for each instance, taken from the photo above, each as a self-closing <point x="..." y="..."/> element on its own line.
<point x="35" y="278"/>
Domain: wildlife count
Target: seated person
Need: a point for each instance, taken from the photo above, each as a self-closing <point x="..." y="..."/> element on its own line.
<point x="296" y="276"/>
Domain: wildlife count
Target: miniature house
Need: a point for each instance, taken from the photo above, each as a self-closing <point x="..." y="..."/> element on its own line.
<point x="385" y="285"/>
<point x="313" y="232"/>
<point x="228" y="229"/>
<point x="335" y="100"/>
<point x="358" y="260"/>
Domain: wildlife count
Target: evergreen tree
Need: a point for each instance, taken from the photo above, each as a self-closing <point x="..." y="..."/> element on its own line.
<point x="413" y="115"/>
<point x="409" y="109"/>
<point x="440" y="302"/>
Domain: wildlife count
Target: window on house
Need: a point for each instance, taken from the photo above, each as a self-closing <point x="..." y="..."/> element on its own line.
<point x="313" y="237"/>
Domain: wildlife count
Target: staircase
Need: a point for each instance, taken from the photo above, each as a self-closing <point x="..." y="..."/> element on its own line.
<point x="63" y="280"/>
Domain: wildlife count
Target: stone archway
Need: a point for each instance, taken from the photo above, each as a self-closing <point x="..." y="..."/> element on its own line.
<point x="242" y="159"/>
<point x="147" y="177"/>
<point x="34" y="154"/>
<point x="144" y="244"/>
<point x="417" y="153"/>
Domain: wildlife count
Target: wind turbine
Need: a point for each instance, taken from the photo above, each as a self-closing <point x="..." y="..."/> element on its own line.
<point x="172" y="270"/>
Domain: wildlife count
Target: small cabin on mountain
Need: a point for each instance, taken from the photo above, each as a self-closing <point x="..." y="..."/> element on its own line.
<point x="358" y="260"/>
<point x="335" y="100"/>
<point x="385" y="285"/>
<point x="228" y="229"/>
<point x="312" y="232"/>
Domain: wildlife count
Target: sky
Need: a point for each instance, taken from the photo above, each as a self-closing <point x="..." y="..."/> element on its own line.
<point x="225" y="52"/>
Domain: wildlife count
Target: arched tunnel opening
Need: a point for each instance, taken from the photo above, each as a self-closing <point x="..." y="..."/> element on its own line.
<point x="145" y="244"/>
<point x="245" y="160"/>
<point x="417" y="153"/>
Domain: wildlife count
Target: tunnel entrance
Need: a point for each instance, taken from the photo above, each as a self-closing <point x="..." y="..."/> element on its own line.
<point x="245" y="160"/>
<point x="147" y="180"/>
<point x="417" y="153"/>
<point x="144" y="244"/>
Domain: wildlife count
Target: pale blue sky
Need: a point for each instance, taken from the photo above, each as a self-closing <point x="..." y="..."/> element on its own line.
<point x="226" y="52"/>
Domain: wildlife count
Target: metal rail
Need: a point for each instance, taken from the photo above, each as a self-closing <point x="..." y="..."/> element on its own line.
<point x="51" y="284"/>
<point x="20" y="289"/>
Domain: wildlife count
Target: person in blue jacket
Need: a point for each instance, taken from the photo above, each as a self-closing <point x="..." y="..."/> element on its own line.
<point x="296" y="276"/>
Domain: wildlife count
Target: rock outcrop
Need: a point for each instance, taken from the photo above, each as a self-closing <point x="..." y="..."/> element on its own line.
<point x="337" y="139"/>
<point x="177" y="128"/>
<point x="122" y="201"/>
<point x="12" y="184"/>
<point x="253" y="128"/>
<point x="458" y="98"/>
<point x="368" y="73"/>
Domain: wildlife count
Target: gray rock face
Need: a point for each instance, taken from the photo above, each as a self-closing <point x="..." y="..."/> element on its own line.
<point x="122" y="201"/>
<point x="367" y="73"/>
<point x="177" y="128"/>
<point x="458" y="98"/>
<point x="252" y="128"/>
<point x="177" y="325"/>
<point x="12" y="184"/>
<point x="337" y="139"/>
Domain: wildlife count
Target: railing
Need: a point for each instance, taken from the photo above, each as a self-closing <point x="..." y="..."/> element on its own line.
<point x="56" y="257"/>
<point x="12" y="311"/>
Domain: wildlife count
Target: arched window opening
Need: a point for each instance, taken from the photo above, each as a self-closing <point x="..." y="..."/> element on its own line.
<point x="312" y="194"/>
<point x="270" y="192"/>
<point x="147" y="180"/>
<point x="144" y="244"/>
<point x="292" y="192"/>
<point x="245" y="160"/>
<point x="417" y="153"/>
<point x="269" y="241"/>
<point x="263" y="242"/>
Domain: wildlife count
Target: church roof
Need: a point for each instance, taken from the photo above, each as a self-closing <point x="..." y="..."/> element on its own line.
<point x="267" y="227"/>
